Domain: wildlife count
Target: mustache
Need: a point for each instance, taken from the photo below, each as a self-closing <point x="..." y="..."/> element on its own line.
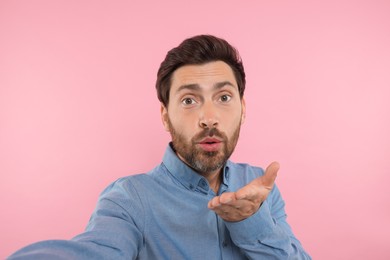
<point x="209" y="133"/>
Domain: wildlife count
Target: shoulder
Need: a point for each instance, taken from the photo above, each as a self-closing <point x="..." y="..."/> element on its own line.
<point x="126" y="186"/>
<point x="130" y="185"/>
<point x="126" y="182"/>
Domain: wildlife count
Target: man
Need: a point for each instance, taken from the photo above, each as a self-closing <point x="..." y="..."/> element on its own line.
<point x="197" y="204"/>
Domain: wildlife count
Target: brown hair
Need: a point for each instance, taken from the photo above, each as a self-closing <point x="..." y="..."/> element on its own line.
<point x="199" y="49"/>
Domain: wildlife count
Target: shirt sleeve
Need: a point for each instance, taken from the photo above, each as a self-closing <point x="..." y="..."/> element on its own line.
<point x="266" y="234"/>
<point x="112" y="232"/>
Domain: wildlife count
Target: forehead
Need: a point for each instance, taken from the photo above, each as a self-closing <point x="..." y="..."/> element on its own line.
<point x="204" y="75"/>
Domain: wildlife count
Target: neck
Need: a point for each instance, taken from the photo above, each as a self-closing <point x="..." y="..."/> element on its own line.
<point x="214" y="179"/>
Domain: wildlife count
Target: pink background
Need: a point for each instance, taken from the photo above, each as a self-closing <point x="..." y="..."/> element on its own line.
<point x="78" y="110"/>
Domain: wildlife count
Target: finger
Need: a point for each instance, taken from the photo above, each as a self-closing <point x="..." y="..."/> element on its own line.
<point x="268" y="179"/>
<point x="227" y="198"/>
<point x="247" y="192"/>
<point x="239" y="210"/>
<point x="237" y="204"/>
<point x="214" y="202"/>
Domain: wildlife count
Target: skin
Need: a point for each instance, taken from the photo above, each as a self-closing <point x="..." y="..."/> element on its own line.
<point x="203" y="97"/>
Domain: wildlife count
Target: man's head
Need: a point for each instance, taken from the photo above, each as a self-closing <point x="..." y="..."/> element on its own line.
<point x="200" y="85"/>
<point x="198" y="50"/>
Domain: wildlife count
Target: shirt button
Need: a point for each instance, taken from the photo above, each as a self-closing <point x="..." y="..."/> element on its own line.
<point x="224" y="244"/>
<point x="191" y="186"/>
<point x="203" y="183"/>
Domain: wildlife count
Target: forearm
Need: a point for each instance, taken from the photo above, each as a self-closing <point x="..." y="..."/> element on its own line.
<point x="262" y="236"/>
<point x="64" y="249"/>
<point x="111" y="234"/>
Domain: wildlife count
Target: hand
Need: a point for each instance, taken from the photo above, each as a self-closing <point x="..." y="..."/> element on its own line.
<point x="239" y="205"/>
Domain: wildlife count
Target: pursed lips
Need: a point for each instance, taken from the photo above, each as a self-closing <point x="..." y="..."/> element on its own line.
<point x="210" y="140"/>
<point x="210" y="144"/>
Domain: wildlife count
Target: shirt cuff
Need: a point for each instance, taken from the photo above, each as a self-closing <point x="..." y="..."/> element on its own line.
<point x="260" y="227"/>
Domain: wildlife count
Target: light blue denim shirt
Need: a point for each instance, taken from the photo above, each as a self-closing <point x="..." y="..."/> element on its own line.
<point x="163" y="215"/>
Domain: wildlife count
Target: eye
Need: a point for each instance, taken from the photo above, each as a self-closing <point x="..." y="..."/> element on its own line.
<point x="188" y="101"/>
<point x="225" y="98"/>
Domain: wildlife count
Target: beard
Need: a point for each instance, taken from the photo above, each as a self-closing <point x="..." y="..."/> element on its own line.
<point x="198" y="159"/>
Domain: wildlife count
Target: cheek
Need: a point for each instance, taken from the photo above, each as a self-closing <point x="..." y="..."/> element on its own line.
<point x="233" y="120"/>
<point x="183" y="125"/>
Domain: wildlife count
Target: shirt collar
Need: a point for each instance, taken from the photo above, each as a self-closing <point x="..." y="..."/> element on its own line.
<point x="186" y="175"/>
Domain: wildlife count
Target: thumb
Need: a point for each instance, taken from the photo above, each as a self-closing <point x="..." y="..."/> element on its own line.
<point x="268" y="179"/>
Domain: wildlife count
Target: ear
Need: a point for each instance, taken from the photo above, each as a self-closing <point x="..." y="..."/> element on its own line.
<point x="243" y="110"/>
<point x="164" y="117"/>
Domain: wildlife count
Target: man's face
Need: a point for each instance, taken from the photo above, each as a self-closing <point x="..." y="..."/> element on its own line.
<point x="204" y="115"/>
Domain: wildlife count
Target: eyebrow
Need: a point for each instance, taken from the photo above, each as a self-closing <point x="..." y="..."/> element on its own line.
<point x="197" y="87"/>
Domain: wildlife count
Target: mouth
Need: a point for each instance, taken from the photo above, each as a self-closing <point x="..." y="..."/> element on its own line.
<point x="210" y="144"/>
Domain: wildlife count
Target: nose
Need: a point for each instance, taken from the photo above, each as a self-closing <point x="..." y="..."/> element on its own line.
<point x="208" y="117"/>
